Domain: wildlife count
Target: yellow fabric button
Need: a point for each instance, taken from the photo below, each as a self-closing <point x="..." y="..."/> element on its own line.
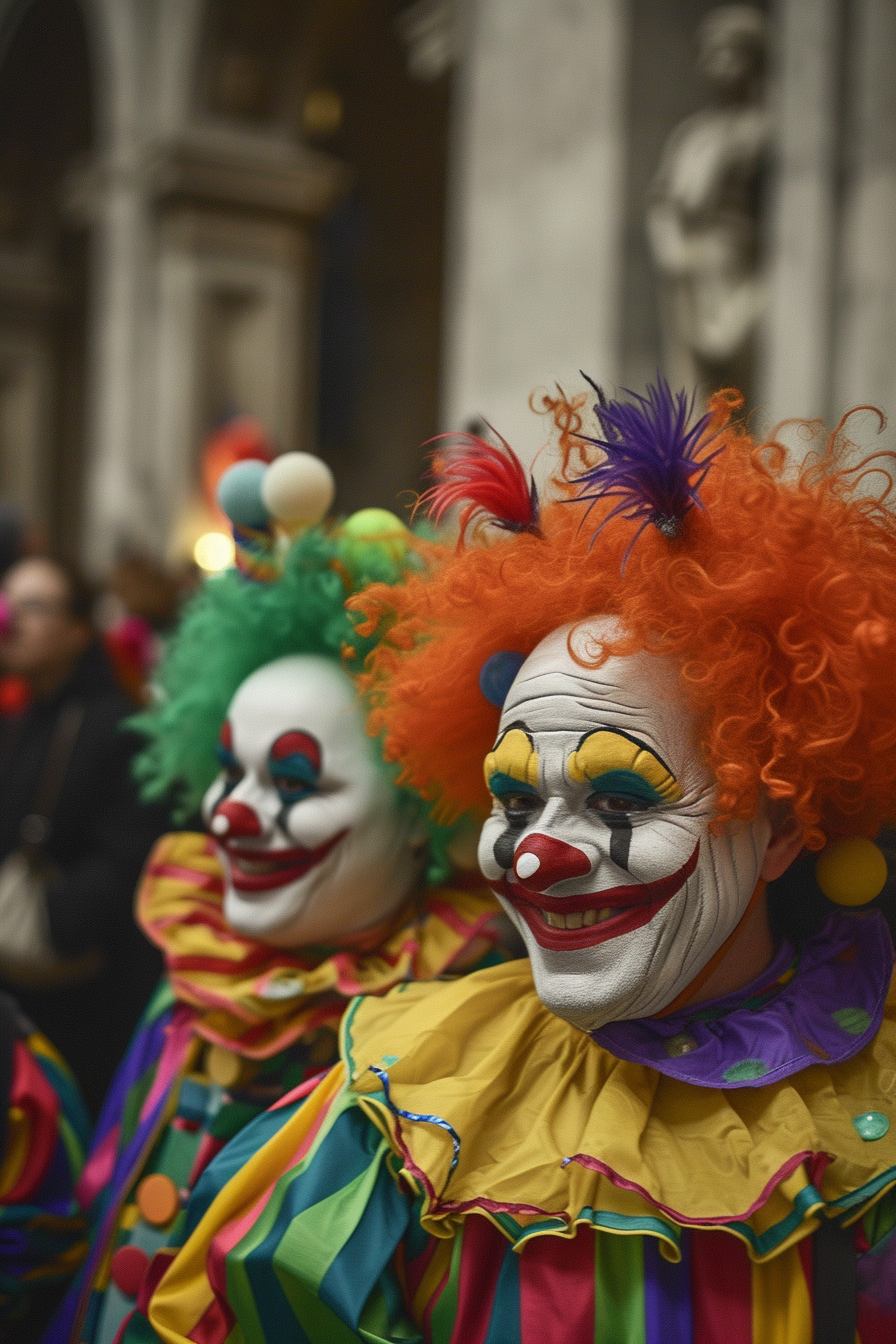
<point x="226" y="1067"/>
<point x="158" y="1199"/>
<point x="851" y="872"/>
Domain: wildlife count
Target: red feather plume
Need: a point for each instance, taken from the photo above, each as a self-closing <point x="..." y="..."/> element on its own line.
<point x="487" y="480"/>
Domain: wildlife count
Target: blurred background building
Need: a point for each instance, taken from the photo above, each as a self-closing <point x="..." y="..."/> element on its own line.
<point x="363" y="221"/>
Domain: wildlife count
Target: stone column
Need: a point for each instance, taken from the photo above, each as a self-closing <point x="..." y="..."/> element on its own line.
<point x="235" y="282"/>
<point x="202" y="274"/>
<point x="865" y="367"/>
<point x="30" y="298"/>
<point x="537" y="208"/>
<point x="795" y="361"/>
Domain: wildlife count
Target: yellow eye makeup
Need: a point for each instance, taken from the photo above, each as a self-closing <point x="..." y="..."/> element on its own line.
<point x="514" y="760"/>
<point x="610" y="760"/>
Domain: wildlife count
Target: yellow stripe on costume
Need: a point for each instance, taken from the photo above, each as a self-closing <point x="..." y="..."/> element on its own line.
<point x="18" y="1137"/>
<point x="436" y="1270"/>
<point x="184" y="1293"/>
<point x="782" y="1310"/>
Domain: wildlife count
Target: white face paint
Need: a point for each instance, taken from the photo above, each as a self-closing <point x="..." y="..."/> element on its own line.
<point x="308" y="828"/>
<point x="599" y="845"/>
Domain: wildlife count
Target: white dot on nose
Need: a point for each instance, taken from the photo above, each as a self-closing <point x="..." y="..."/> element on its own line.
<point x="220" y="825"/>
<point x="527" y="864"/>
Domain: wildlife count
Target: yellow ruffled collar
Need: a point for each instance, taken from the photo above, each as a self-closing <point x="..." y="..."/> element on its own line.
<point x="259" y="998"/>
<point x="553" y="1130"/>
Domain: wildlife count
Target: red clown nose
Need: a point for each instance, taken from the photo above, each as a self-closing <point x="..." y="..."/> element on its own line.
<point x="541" y="861"/>
<point x="234" y="820"/>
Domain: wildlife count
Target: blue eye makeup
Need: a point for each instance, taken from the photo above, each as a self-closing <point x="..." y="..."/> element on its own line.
<point x="294" y="762"/>
<point x="625" y="784"/>
<point x="520" y="801"/>
<point x="233" y="771"/>
<point x="500" y="784"/>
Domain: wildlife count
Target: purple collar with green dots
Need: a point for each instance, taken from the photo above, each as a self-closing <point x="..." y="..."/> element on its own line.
<point x="818" y="1006"/>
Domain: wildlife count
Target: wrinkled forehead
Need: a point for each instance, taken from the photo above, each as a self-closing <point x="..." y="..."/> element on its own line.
<point x="302" y="692"/>
<point x="554" y="695"/>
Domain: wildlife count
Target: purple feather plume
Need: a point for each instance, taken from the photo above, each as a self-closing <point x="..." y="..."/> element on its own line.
<point x="655" y="460"/>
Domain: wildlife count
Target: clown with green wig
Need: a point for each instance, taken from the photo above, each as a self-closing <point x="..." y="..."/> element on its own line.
<point x="317" y="877"/>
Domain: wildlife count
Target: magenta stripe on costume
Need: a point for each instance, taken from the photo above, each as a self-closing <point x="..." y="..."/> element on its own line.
<point x="455" y="920"/>
<point x="233" y="1232"/>
<point x="667" y="1295"/>
<point x="482" y="1255"/>
<point x="198" y="880"/>
<point x="297" y="1093"/>
<point x="557" y="1289"/>
<point x="98" y="1171"/>
<point x="268" y="1032"/>
<point x="721" y="1288"/>
<point x="348" y="984"/>
<point x="622" y="1183"/>
<point x="178" y="1038"/>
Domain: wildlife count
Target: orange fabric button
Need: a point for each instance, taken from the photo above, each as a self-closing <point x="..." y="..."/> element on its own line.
<point x="128" y="1268"/>
<point x="158" y="1199"/>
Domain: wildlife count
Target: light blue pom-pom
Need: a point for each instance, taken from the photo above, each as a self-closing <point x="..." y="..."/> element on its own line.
<point x="496" y="676"/>
<point x="239" y="494"/>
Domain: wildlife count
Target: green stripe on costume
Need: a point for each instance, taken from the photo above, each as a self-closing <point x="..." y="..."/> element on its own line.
<point x="445" y="1310"/>
<point x="619" y="1289"/>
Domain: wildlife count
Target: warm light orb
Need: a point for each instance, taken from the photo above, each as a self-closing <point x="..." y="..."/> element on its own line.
<point x="213" y="552"/>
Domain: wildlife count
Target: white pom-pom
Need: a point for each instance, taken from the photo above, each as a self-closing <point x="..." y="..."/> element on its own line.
<point x="298" y="489"/>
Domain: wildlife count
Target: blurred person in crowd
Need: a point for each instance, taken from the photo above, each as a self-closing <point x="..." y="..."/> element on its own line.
<point x="145" y="599"/>
<point x="73" y="835"/>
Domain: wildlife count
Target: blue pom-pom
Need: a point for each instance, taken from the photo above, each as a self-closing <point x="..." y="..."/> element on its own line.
<point x="239" y="494"/>
<point x="497" y="674"/>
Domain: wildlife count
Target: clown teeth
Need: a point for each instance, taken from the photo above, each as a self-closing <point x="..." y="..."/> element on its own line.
<point x="260" y="866"/>
<point x="578" y="919"/>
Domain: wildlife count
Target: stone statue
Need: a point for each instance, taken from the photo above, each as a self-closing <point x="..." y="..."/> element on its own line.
<point x="703" y="215"/>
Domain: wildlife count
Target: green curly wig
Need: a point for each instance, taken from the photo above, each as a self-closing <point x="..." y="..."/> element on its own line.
<point x="234" y="626"/>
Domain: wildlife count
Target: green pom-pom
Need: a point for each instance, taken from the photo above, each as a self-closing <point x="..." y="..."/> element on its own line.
<point x="373" y="545"/>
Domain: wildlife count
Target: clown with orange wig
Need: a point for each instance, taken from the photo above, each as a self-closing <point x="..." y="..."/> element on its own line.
<point x="666" y="684"/>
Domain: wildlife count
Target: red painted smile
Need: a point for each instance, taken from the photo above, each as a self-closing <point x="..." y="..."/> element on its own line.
<point x="608" y="913"/>
<point x="256" y="870"/>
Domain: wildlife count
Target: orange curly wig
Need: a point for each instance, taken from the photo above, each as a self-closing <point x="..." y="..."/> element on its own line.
<point x="777" y="602"/>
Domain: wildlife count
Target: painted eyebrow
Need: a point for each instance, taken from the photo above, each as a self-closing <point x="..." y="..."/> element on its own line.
<point x="517" y="723"/>
<point x="629" y="737"/>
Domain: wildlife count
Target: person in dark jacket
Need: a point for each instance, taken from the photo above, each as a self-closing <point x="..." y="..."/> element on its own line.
<point x="70" y="821"/>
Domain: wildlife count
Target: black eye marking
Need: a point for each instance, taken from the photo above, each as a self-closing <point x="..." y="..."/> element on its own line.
<point x="620" y="838"/>
<point x="504" y="848"/>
